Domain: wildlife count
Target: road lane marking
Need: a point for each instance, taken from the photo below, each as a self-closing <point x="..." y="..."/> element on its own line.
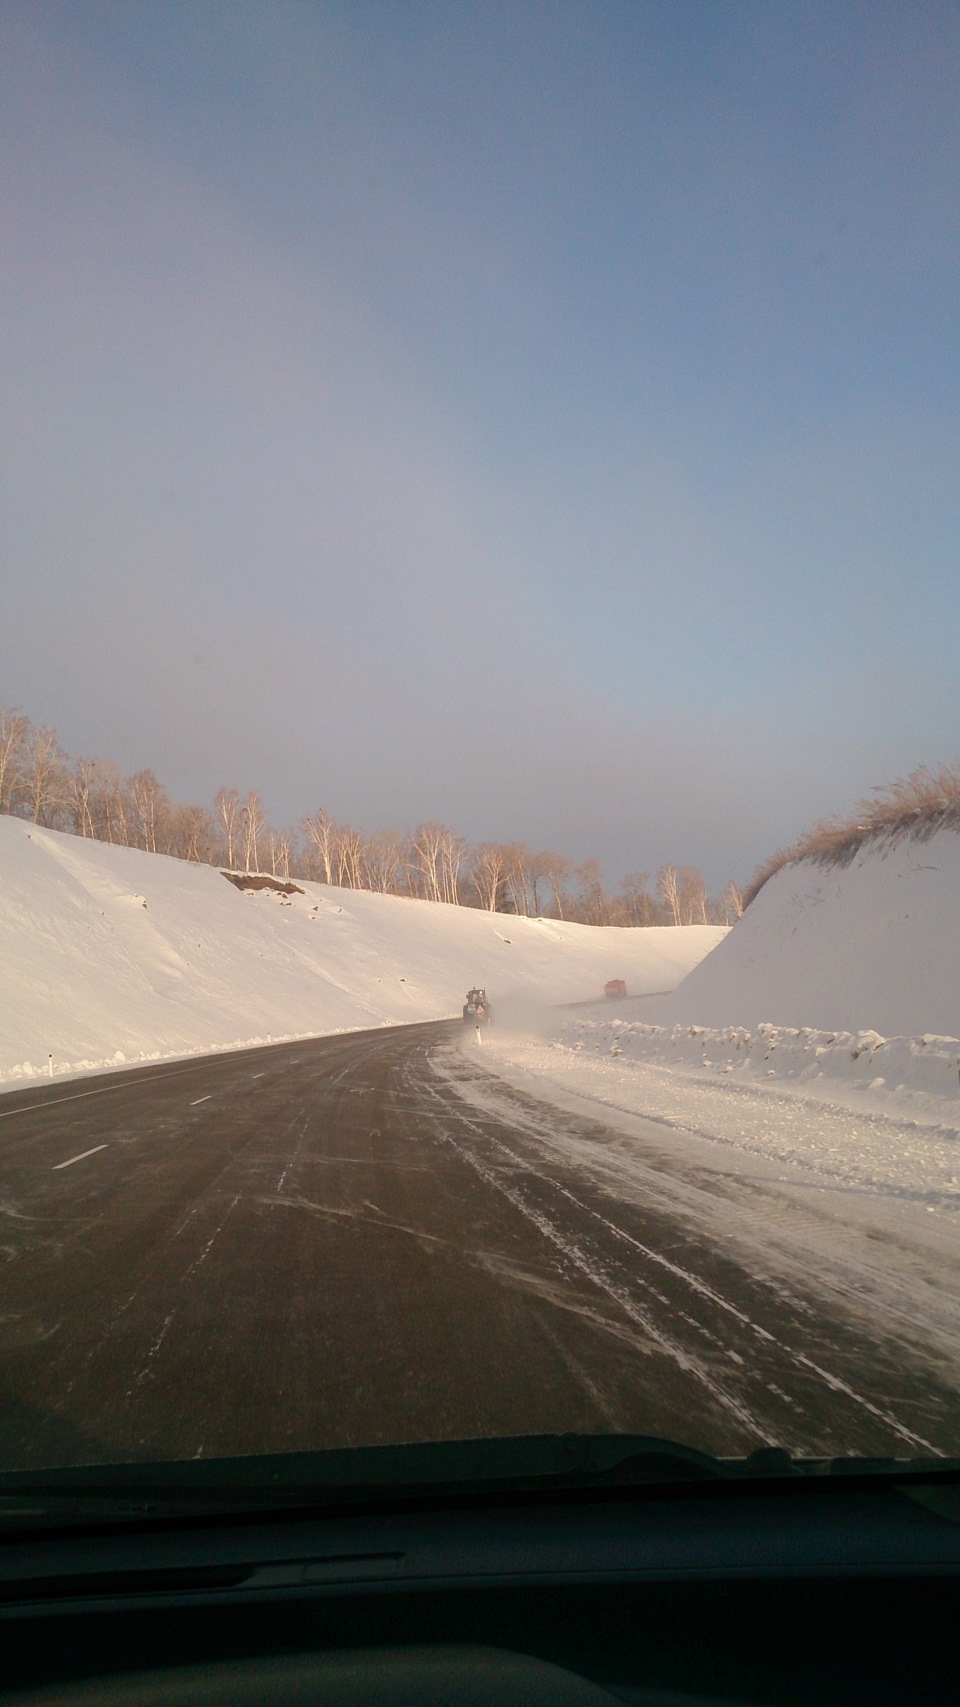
<point x="101" y="1090"/>
<point x="81" y="1158"/>
<point x="199" y="1100"/>
<point x="123" y="1084"/>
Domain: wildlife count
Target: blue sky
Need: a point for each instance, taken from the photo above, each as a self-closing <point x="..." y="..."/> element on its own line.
<point x="541" y="417"/>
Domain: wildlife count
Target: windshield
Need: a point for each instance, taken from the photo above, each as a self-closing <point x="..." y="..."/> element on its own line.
<point x="478" y="482"/>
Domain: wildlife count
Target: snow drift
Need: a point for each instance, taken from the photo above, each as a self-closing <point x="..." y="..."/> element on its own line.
<point x="109" y="954"/>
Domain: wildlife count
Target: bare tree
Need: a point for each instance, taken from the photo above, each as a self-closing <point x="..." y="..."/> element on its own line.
<point x="279" y="846"/>
<point x="426" y="845"/>
<point x="538" y="871"/>
<point x="192" y="832"/>
<point x="320" y="831"/>
<point x="639" y="906"/>
<point x="452" y="853"/>
<point x="594" y="903"/>
<point x="44" y="776"/>
<point x="731" y="904"/>
<point x="108" y="803"/>
<point x="227" y="807"/>
<point x="383" y="859"/>
<point x="286" y="851"/>
<point x="82" y="781"/>
<point x="556" y="871"/>
<point x="668" y="888"/>
<point x="516" y="877"/>
<point x="149" y="801"/>
<point x="693" y="896"/>
<point x="348" y="857"/>
<point x="14" y="729"/>
<point x="489" y="867"/>
<point x="252" y="821"/>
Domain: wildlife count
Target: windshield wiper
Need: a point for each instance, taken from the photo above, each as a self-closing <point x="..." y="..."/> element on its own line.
<point x="138" y="1492"/>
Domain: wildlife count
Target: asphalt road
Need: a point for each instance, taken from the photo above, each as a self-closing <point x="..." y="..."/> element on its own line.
<point x="330" y="1243"/>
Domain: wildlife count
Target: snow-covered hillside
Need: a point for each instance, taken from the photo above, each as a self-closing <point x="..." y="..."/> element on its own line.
<point x="110" y="954"/>
<point x="874" y="944"/>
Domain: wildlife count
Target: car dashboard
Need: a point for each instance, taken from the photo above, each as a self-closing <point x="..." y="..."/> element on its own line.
<point x="814" y="1591"/>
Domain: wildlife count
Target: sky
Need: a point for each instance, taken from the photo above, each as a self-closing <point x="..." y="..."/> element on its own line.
<point x="540" y="417"/>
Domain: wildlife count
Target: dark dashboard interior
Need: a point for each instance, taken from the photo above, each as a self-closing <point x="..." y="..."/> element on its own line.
<point x="792" y="1594"/>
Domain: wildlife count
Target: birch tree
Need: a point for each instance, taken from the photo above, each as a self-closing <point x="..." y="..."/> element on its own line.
<point x="593" y="902"/>
<point x="384" y="855"/>
<point x="731" y="904"/>
<point x="320" y="831"/>
<point x="252" y="821"/>
<point x="79" y="788"/>
<point x="668" y="888"/>
<point x="426" y="846"/>
<point x="149" y="800"/>
<point x="489" y="867"/>
<point x="516" y="876"/>
<point x="14" y="729"/>
<point x="452" y="853"/>
<point x="556" y="871"/>
<point x="348" y="857"/>
<point x="44" y="776"/>
<point x="693" y="896"/>
<point x="227" y="807"/>
<point x="638" y="904"/>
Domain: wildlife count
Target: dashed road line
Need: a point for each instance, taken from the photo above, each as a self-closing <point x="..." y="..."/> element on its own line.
<point x="81" y="1158"/>
<point x="101" y="1090"/>
<point x="199" y="1100"/>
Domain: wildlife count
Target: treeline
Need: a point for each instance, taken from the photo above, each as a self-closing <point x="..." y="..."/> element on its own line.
<point x="93" y="798"/>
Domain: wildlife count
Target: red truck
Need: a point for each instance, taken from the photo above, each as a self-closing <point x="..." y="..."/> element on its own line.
<point x="615" y="987"/>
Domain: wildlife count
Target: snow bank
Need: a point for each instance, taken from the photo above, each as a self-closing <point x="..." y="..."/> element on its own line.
<point x="906" y="1069"/>
<point x="856" y="1158"/>
<point x="110" y="955"/>
<point x="871" y="944"/>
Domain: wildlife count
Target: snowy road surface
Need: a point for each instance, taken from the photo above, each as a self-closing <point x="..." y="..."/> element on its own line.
<point x="373" y="1238"/>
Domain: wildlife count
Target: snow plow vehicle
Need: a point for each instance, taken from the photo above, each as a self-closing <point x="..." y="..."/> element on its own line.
<point x="476" y="1008"/>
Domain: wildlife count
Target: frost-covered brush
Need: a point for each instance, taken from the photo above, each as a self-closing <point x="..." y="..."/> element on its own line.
<point x="918" y="805"/>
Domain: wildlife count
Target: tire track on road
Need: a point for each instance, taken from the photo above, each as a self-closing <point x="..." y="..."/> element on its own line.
<point x="702" y="1291"/>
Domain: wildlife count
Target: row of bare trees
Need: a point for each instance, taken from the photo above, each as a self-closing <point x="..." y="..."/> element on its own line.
<point x="93" y="798"/>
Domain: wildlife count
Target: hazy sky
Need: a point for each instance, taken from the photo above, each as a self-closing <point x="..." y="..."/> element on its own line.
<point x="541" y="417"/>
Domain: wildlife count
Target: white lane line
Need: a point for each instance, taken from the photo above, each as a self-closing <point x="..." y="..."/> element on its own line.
<point x="258" y="1075"/>
<point x="199" y="1100"/>
<point x="101" y="1091"/>
<point x="81" y="1158"/>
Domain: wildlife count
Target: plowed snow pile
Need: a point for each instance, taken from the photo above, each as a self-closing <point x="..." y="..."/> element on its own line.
<point x="108" y="954"/>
